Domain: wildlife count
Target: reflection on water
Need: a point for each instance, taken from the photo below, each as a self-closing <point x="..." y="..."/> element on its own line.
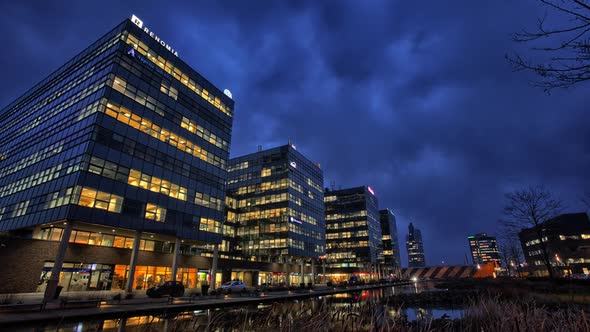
<point x="193" y="319"/>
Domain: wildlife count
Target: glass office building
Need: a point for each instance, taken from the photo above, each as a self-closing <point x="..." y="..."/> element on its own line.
<point x="415" y="247"/>
<point x="353" y="232"/>
<point x="124" y="146"/>
<point x="484" y="248"/>
<point x="275" y="211"/>
<point x="391" y="256"/>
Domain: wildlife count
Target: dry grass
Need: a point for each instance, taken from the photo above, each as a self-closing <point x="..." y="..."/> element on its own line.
<point x="488" y="315"/>
<point x="492" y="315"/>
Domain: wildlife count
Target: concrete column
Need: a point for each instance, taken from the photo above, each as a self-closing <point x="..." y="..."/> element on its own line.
<point x="312" y="271"/>
<point x="175" y="259"/>
<point x="303" y="271"/>
<point x="122" y="325"/>
<point x="324" y="280"/>
<point x="214" y="266"/>
<point x="59" y="260"/>
<point x="287" y="279"/>
<point x="255" y="276"/>
<point x="378" y="270"/>
<point x="133" y="262"/>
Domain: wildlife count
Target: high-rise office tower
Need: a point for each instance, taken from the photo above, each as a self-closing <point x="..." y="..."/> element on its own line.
<point x="353" y="232"/>
<point x="276" y="208"/>
<point x="121" y="155"/>
<point x="415" y="247"/>
<point x="484" y="248"/>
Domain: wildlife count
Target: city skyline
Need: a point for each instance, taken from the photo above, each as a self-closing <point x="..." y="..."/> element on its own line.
<point x="402" y="183"/>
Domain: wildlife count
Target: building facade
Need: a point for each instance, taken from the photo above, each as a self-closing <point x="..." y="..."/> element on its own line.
<point x="275" y="211"/>
<point x="484" y="249"/>
<point x="123" y="148"/>
<point x="353" y="233"/>
<point x="415" y="247"/>
<point x="391" y="255"/>
<point x="567" y="239"/>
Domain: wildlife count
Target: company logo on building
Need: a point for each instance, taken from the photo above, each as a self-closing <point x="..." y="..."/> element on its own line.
<point x="295" y="220"/>
<point x="371" y="190"/>
<point x="227" y="93"/>
<point x="143" y="60"/>
<point x="137" y="21"/>
<point x="293" y="164"/>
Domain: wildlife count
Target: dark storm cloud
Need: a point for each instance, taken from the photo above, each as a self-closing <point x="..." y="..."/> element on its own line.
<point x="414" y="99"/>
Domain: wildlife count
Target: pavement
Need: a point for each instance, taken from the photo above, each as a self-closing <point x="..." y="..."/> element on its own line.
<point x="142" y="306"/>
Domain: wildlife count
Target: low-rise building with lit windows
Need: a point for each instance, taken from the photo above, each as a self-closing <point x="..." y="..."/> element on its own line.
<point x="275" y="204"/>
<point x="353" y="233"/>
<point x="484" y="249"/>
<point x="391" y="256"/>
<point x="113" y="170"/>
<point x="567" y="238"/>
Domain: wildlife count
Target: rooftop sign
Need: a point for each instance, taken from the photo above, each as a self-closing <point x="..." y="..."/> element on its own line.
<point x="137" y="21"/>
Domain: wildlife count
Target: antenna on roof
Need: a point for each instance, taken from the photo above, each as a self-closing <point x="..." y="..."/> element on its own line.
<point x="333" y="184"/>
<point x="259" y="148"/>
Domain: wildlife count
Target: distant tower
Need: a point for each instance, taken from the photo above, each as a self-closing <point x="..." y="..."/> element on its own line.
<point x="415" y="247"/>
<point x="484" y="248"/>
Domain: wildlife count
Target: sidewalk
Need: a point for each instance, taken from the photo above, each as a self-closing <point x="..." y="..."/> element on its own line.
<point x="133" y="307"/>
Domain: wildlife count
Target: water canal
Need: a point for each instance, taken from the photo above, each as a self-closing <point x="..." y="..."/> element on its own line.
<point x="230" y="317"/>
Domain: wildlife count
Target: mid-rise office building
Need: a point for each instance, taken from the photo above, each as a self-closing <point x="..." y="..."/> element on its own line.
<point x="276" y="207"/>
<point x="567" y="239"/>
<point x="484" y="249"/>
<point x="391" y="255"/>
<point x="113" y="170"/>
<point x="353" y="233"/>
<point x="415" y="247"/>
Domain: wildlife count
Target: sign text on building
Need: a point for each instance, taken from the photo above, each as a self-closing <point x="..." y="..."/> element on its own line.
<point x="139" y="23"/>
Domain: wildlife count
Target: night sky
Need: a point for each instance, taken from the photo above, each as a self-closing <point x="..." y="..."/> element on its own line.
<point x="415" y="100"/>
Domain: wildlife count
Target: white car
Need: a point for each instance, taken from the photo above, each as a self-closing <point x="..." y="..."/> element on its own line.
<point x="233" y="286"/>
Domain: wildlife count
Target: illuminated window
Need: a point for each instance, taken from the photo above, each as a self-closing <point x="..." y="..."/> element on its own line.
<point x="329" y="198"/>
<point x="208" y="201"/>
<point x="210" y="225"/>
<point x="176" y="73"/>
<point x="242" y="165"/>
<point x="169" y="90"/>
<point x="107" y="169"/>
<point x="146" y="126"/>
<point x="154" y="212"/>
<point x="20" y="209"/>
<point x="155" y="184"/>
<point x="100" y="200"/>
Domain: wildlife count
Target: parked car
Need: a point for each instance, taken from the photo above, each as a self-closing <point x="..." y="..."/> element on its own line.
<point x="172" y="288"/>
<point x="233" y="286"/>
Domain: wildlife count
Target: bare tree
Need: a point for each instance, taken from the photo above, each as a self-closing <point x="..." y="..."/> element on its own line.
<point x="562" y="37"/>
<point x="531" y="208"/>
<point x="510" y="250"/>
